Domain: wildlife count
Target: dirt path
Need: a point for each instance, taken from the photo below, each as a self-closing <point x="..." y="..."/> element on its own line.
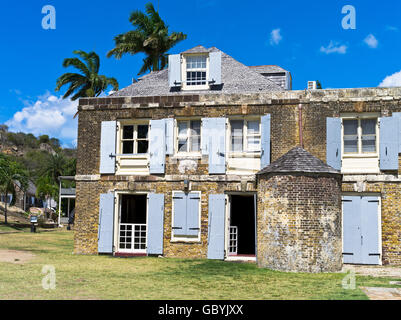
<point x="14" y="256"/>
<point x="374" y="271"/>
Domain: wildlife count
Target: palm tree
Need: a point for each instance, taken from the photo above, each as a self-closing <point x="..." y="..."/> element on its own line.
<point x="46" y="189"/>
<point x="87" y="84"/>
<point x="55" y="167"/>
<point x="11" y="173"/>
<point x="151" y="37"/>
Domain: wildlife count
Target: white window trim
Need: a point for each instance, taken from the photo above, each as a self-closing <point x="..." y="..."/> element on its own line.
<point x="117" y="217"/>
<point x="245" y="152"/>
<point x="360" y="117"/>
<point x="134" y="123"/>
<point x="176" y="132"/>
<point x="184" y="72"/>
<point x="186" y="239"/>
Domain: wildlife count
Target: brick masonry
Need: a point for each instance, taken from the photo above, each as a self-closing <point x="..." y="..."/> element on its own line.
<point x="299" y="222"/>
<point x="283" y="107"/>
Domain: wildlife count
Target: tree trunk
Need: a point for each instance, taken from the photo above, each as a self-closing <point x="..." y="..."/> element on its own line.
<point x="5" y="210"/>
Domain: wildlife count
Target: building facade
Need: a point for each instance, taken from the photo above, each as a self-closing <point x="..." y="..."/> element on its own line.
<point x="167" y="166"/>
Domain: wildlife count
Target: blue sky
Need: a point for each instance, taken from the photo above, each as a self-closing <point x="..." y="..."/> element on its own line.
<point x="304" y="37"/>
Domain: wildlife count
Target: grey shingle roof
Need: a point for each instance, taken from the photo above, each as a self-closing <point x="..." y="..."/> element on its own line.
<point x="298" y="160"/>
<point x="235" y="76"/>
<point x="268" y="69"/>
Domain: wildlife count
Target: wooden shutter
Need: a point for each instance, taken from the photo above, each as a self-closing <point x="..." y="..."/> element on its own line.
<point x="106" y="223"/>
<point x="108" y="147"/>
<point x="205" y="135"/>
<point x="217" y="146"/>
<point x="333" y="142"/>
<point x="351" y="229"/>
<point x="215" y="68"/>
<point x="169" y="136"/>
<point x="389" y="147"/>
<point x="193" y="200"/>
<point x="180" y="214"/>
<point x="215" y="249"/>
<point x="398" y="116"/>
<point x="157" y="147"/>
<point x="155" y="224"/>
<point x="174" y="70"/>
<point x="265" y="141"/>
<point x="369" y="214"/>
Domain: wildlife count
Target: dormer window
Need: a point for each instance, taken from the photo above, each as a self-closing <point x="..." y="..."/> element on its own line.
<point x="195" y="72"/>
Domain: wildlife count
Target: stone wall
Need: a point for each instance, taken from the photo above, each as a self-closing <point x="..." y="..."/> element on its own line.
<point x="283" y="107"/>
<point x="299" y="223"/>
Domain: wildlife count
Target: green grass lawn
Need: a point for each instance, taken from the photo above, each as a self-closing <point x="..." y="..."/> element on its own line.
<point x="104" y="277"/>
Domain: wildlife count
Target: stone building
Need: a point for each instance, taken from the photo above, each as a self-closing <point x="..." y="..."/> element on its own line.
<point x="167" y="166"/>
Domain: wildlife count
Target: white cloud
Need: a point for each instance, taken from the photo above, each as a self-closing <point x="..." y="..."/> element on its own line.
<point x="49" y="115"/>
<point x="275" y="37"/>
<point x="393" y="80"/>
<point x="371" y="41"/>
<point x="334" y="47"/>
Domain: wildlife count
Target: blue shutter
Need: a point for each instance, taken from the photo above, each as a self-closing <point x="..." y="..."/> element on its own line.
<point x="370" y="230"/>
<point x="169" y="136"/>
<point x="157" y="147"/>
<point x="265" y="141"/>
<point x="333" y="143"/>
<point x="398" y="116"/>
<point x="205" y="136"/>
<point x="108" y="147"/>
<point x="155" y="224"/>
<point x="193" y="200"/>
<point x="217" y="146"/>
<point x="174" y="70"/>
<point x="215" y="68"/>
<point x="351" y="229"/>
<point x="216" y="230"/>
<point x="180" y="214"/>
<point x="389" y="143"/>
<point x="106" y="223"/>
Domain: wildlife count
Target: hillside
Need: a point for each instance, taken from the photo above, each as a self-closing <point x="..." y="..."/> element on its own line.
<point x="35" y="153"/>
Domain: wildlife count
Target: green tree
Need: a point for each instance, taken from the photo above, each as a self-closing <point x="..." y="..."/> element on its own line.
<point x="318" y="85"/>
<point x="151" y="36"/>
<point x="46" y="189"/>
<point x="87" y="84"/>
<point x="55" y="167"/>
<point x="10" y="173"/>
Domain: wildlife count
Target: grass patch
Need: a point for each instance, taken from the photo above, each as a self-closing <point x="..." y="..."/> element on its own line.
<point x="105" y="277"/>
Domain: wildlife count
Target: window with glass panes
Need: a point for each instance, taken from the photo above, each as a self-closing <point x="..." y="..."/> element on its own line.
<point x="360" y="136"/>
<point x="135" y="139"/>
<point x="189" y="135"/>
<point x="196" y="70"/>
<point x="245" y="135"/>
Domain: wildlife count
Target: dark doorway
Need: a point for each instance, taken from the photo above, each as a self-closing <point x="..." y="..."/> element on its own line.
<point x="243" y="218"/>
<point x="133" y="208"/>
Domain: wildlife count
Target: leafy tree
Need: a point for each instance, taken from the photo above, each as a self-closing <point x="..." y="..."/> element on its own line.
<point x="44" y="138"/>
<point x="87" y="84"/>
<point x="55" y="167"/>
<point x="318" y="85"/>
<point x="151" y="36"/>
<point x="46" y="189"/>
<point x="10" y="173"/>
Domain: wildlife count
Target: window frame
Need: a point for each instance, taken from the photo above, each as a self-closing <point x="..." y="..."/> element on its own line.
<point x="360" y="153"/>
<point x="245" y="136"/>
<point x="135" y="124"/>
<point x="184" y="72"/>
<point x="185" y="238"/>
<point x="176" y="140"/>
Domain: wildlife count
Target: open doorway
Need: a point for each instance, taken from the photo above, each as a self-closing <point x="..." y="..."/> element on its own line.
<point x="132" y="223"/>
<point x="241" y="227"/>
